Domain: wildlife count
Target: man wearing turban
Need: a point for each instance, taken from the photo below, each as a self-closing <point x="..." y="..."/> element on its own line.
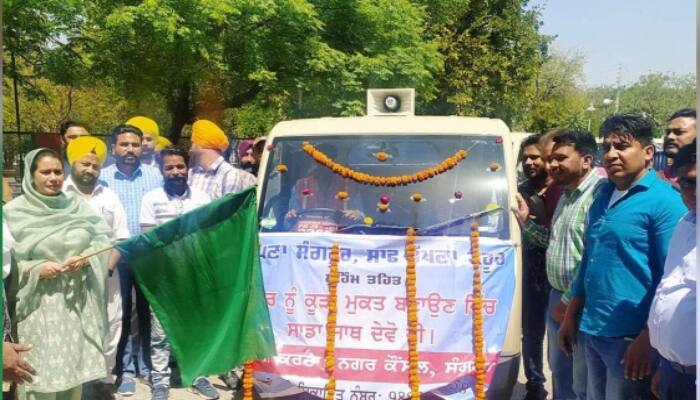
<point x="210" y="172"/>
<point x="162" y="142"/>
<point x="86" y="155"/>
<point x="151" y="134"/>
<point x="70" y="130"/>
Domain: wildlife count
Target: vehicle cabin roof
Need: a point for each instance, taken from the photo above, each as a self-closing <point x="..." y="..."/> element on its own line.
<point x="391" y="125"/>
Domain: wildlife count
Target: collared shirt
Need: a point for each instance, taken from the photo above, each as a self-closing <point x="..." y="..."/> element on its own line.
<point x="626" y="246"/>
<point x="565" y="239"/>
<point x="131" y="189"/>
<point x="159" y="207"/>
<point x="220" y="179"/>
<point x="153" y="163"/>
<point x="106" y="204"/>
<point x="672" y="314"/>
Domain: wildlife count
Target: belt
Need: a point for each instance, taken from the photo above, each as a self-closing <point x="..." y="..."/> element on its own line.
<point x="683" y="369"/>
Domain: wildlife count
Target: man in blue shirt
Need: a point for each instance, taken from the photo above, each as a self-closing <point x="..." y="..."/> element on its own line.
<point x="130" y="180"/>
<point x="629" y="228"/>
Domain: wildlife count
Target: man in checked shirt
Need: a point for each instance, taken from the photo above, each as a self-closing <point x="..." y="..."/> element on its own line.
<point x="571" y="166"/>
<point x="210" y="173"/>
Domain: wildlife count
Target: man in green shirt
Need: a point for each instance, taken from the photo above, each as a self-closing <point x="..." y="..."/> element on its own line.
<point x="571" y="166"/>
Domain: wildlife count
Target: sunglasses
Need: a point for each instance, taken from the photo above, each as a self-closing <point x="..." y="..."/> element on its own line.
<point x="686" y="183"/>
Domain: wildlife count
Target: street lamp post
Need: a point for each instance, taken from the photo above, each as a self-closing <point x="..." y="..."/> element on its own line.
<point x="590" y="111"/>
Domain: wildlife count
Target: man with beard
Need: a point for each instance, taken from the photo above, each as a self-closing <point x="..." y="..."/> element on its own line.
<point x="535" y="285"/>
<point x="160" y="206"/>
<point x="86" y="155"/>
<point x="151" y="133"/>
<point x="680" y="131"/>
<point x="70" y="130"/>
<point x="571" y="166"/>
<point x="131" y="181"/>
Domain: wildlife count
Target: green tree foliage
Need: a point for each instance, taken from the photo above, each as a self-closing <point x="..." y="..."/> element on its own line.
<point x="38" y="39"/>
<point x="205" y="56"/>
<point x="559" y="96"/>
<point x="43" y="109"/>
<point x="654" y="95"/>
<point x="493" y="51"/>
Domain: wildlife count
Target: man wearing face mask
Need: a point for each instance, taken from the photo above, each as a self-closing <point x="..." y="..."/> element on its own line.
<point x="86" y="155"/>
<point x="159" y="206"/>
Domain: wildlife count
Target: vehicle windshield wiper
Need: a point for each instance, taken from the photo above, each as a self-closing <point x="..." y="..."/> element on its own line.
<point x="457" y="221"/>
<point x="388" y="229"/>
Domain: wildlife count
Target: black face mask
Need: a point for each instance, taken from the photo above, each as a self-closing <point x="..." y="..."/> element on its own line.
<point x="250" y="167"/>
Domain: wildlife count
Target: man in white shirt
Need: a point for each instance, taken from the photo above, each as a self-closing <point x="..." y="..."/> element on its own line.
<point x="86" y="154"/>
<point x="159" y="206"/>
<point x="69" y="131"/>
<point x="672" y="315"/>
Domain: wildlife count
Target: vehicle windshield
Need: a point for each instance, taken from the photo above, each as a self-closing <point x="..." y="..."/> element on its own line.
<point x="301" y="194"/>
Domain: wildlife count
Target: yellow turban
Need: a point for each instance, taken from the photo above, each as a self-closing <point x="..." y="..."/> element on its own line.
<point x="147" y="125"/>
<point x="209" y="136"/>
<point x="162" y="142"/>
<point x="84" y="145"/>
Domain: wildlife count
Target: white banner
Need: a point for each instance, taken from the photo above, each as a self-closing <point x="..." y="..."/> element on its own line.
<point x="371" y="334"/>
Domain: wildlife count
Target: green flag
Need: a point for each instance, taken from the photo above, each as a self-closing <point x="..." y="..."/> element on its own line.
<point x="201" y="275"/>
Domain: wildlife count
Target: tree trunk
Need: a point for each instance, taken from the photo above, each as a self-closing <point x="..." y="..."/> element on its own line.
<point x="181" y="111"/>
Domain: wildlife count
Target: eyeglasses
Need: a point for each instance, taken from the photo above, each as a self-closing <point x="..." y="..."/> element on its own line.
<point x="686" y="183"/>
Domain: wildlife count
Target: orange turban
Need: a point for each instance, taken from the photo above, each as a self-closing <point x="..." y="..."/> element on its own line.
<point x="84" y="145"/>
<point x="208" y="135"/>
<point x="162" y="142"/>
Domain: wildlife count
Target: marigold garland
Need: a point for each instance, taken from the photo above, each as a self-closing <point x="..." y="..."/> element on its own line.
<point x="333" y="278"/>
<point x="248" y="381"/>
<point x="477" y="320"/>
<point x="361" y="177"/>
<point x="413" y="378"/>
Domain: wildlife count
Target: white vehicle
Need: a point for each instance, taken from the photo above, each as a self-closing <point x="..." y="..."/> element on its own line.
<point x="296" y="194"/>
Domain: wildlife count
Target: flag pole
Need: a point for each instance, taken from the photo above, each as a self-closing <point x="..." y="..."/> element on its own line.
<point x="92" y="254"/>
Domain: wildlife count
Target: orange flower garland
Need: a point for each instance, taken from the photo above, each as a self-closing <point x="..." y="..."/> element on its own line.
<point x="248" y="381"/>
<point x="361" y="177"/>
<point x="333" y="278"/>
<point x="413" y="379"/>
<point x="477" y="320"/>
